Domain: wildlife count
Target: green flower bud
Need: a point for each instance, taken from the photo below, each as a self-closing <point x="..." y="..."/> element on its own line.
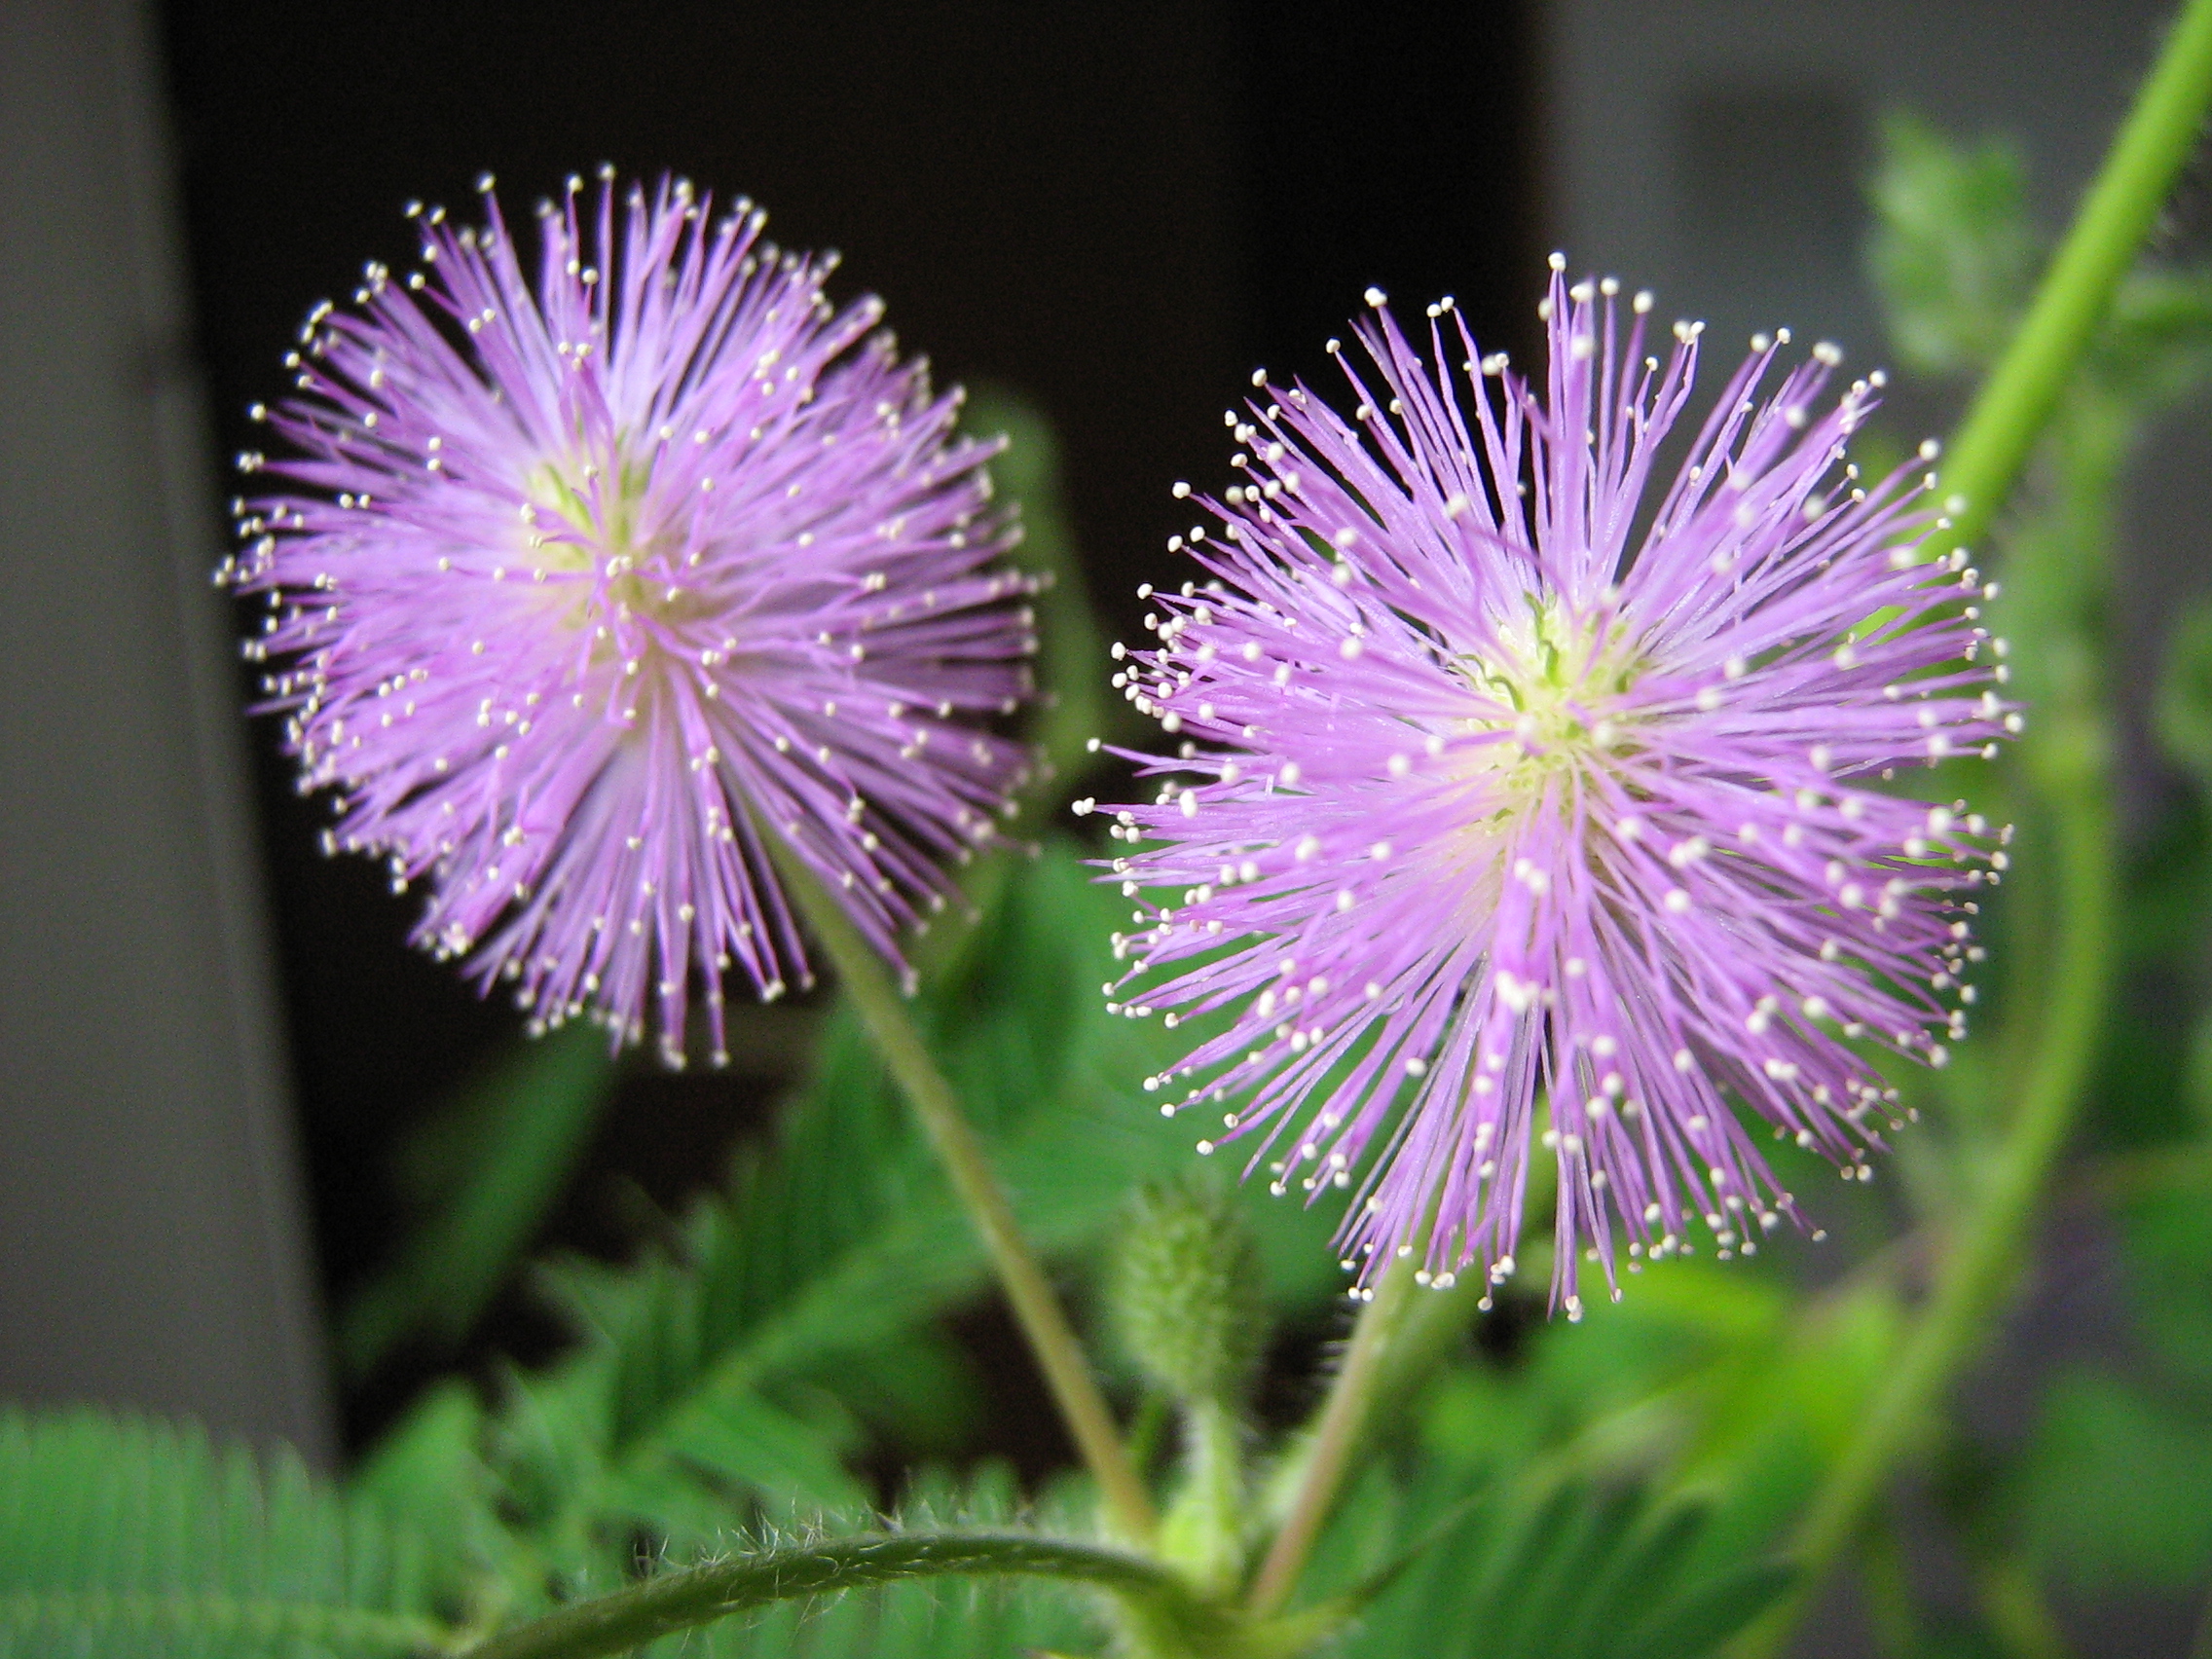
<point x="1186" y="1292"/>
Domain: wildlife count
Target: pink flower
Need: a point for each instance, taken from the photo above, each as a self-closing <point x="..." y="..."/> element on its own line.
<point x="1520" y="798"/>
<point x="588" y="587"/>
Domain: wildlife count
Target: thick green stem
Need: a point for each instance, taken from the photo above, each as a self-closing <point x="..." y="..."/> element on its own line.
<point x="1991" y="1244"/>
<point x="1328" y="1455"/>
<point x="2069" y="763"/>
<point x="1036" y="1306"/>
<point x="673" y="1601"/>
<point x="2022" y="392"/>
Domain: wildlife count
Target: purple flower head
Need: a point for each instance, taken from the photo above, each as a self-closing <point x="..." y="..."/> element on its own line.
<point x="592" y="580"/>
<point x="1539" y="798"/>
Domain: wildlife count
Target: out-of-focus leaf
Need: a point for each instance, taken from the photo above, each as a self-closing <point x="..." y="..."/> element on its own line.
<point x="123" y="1538"/>
<point x="2156" y="345"/>
<point x="2167" y="1237"/>
<point x="2144" y="1089"/>
<point x="2183" y="713"/>
<point x="1071" y="682"/>
<point x="427" y="1475"/>
<point x="2196" y="1087"/>
<point x="492" y="1163"/>
<point x="734" y="1582"/>
<point x="923" y="1620"/>
<point x="2169" y="886"/>
<point x="919" y="1390"/>
<point x="745" y="1442"/>
<point x="980" y="1619"/>
<point x="943" y="1618"/>
<point x="1953" y="251"/>
<point x="2114" y="1488"/>
<point x="1713" y="1381"/>
<point x="1583" y="1570"/>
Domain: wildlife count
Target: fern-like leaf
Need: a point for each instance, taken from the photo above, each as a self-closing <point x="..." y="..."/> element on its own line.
<point x="1582" y="1572"/>
<point x="120" y="1537"/>
<point x="688" y="1402"/>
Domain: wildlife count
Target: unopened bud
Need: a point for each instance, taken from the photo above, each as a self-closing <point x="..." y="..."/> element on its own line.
<point x="1186" y="1292"/>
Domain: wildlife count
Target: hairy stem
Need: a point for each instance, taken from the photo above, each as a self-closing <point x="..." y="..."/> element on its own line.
<point x="2022" y="392"/>
<point x="1036" y="1306"/>
<point x="1336" y="1435"/>
<point x="697" y="1595"/>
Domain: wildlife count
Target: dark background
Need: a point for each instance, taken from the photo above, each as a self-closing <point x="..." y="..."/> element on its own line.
<point x="1117" y="212"/>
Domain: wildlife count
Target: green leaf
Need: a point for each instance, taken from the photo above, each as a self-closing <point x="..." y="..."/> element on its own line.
<point x="1072" y="706"/>
<point x="2156" y="345"/>
<point x="1576" y="1571"/>
<point x="919" y="1392"/>
<point x="492" y="1165"/>
<point x="1953" y="252"/>
<point x="749" y="1444"/>
<point x="2115" y="1487"/>
<point x="122" y="1536"/>
<point x="926" y="1619"/>
<point x="1707" y="1614"/>
<point x="427" y="1477"/>
<point x="2183" y="712"/>
<point x="2167" y="1238"/>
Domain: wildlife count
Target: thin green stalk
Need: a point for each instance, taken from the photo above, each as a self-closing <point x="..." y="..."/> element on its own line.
<point x="1036" y="1306"/>
<point x="1989" y="1247"/>
<point x="1204" y="1529"/>
<point x="2070" y="759"/>
<point x="673" y="1601"/>
<point x="1343" y="1421"/>
<point x="1986" y="454"/>
<point x="1890" y="1606"/>
<point x="2018" y="1616"/>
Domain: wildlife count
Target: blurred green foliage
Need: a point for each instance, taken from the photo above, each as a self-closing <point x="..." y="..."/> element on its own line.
<point x="1955" y="257"/>
<point x="122" y="1536"/>
<point x="485" y="1171"/>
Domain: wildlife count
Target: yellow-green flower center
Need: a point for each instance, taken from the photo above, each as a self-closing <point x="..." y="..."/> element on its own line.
<point x="1558" y="684"/>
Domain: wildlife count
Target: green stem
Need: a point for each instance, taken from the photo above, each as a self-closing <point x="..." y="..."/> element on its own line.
<point x="1989" y="451"/>
<point x="675" y="1601"/>
<point x="1890" y="1604"/>
<point x="1987" y="1252"/>
<point x="1204" y="1529"/>
<point x="2012" y="1603"/>
<point x="1036" y="1306"/>
<point x="1343" y="1421"/>
<point x="2069" y="761"/>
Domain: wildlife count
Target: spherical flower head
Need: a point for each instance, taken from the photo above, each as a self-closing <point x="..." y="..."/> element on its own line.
<point x="1521" y="800"/>
<point x="586" y="586"/>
